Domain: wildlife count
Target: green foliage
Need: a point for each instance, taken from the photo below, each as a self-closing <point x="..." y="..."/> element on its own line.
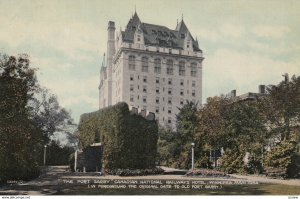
<point x="57" y="154"/>
<point x="204" y="162"/>
<point x="130" y="141"/>
<point x="232" y="162"/>
<point x="48" y="115"/>
<point x="135" y="172"/>
<point x="211" y="126"/>
<point x="175" y="147"/>
<point x="281" y="107"/>
<point x="283" y="158"/>
<point x="20" y="139"/>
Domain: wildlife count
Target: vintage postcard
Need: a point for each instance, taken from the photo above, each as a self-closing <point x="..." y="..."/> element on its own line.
<point x="165" y="97"/>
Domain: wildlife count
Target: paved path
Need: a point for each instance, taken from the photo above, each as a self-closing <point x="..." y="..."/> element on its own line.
<point x="50" y="182"/>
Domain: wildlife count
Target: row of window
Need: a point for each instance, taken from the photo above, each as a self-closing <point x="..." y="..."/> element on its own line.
<point x="157" y="90"/>
<point x="157" y="66"/>
<point x="158" y="80"/>
<point x="157" y="100"/>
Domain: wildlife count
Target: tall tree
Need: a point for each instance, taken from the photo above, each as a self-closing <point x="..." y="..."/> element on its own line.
<point x="186" y="127"/>
<point x="211" y="126"/>
<point x="281" y="107"/>
<point x="211" y="133"/>
<point x="49" y="116"/>
<point x="20" y="139"/>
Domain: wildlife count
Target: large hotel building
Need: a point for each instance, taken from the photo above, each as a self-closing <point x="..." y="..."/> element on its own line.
<point x="151" y="67"/>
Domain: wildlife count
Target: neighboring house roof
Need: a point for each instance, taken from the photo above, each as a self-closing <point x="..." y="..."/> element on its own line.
<point x="158" y="35"/>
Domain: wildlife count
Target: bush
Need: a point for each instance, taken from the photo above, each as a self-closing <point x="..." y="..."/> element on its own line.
<point x="232" y="162"/>
<point x="206" y="173"/>
<point x="281" y="160"/>
<point x="254" y="166"/>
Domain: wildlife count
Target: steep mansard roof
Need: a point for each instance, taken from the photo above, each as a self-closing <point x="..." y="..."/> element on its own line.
<point x="158" y="35"/>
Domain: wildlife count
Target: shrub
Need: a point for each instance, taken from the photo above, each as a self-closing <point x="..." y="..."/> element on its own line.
<point x="281" y="160"/>
<point x="134" y="172"/>
<point x="232" y="162"/>
<point x="206" y="173"/>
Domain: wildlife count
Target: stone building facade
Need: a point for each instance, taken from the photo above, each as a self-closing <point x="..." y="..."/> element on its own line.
<point x="151" y="67"/>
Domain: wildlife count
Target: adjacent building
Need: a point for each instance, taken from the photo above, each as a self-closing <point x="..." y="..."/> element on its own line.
<point x="151" y="67"/>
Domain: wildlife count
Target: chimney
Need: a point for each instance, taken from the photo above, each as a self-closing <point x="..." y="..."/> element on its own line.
<point x="233" y="93"/>
<point x="111" y="50"/>
<point x="261" y="89"/>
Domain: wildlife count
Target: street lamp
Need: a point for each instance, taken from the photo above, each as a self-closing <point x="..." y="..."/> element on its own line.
<point x="193" y="144"/>
<point x="45" y="148"/>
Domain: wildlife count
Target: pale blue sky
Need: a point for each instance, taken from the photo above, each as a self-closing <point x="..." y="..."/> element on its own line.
<point x="245" y="43"/>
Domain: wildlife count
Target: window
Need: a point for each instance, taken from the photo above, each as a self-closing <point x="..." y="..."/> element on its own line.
<point x="131" y="78"/>
<point x="170" y="91"/>
<point x="157" y="80"/>
<point x="139" y="38"/>
<point x="169" y="100"/>
<point x="157" y="66"/>
<point x="144" y="64"/>
<point x="193" y="83"/>
<point x="131" y="87"/>
<point x="181" y="101"/>
<point x="131" y="62"/>
<point x="181" y="92"/>
<point x="131" y="98"/>
<point x="193" y="93"/>
<point x="145" y="89"/>
<point x="157" y="90"/>
<point x="145" y="79"/>
<point x="193" y="69"/>
<point x="170" y="81"/>
<point x="169" y="110"/>
<point x="181" y="82"/>
<point x="145" y="99"/>
<point x="169" y="120"/>
<point x="157" y="100"/>
<point x="170" y="67"/>
<point x="157" y="109"/>
<point x="181" y="68"/>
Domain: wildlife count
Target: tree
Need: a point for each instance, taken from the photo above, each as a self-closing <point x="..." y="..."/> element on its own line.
<point x="281" y="110"/>
<point x="245" y="129"/>
<point x="58" y="154"/>
<point x="281" y="107"/>
<point x="186" y="127"/>
<point x="211" y="131"/>
<point x="169" y="147"/>
<point x="20" y="139"/>
<point x="48" y="115"/>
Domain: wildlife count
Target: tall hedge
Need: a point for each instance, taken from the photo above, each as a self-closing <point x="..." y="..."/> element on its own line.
<point x="130" y="140"/>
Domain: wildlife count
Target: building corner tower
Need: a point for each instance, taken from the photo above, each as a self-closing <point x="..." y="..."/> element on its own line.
<point x="111" y="50"/>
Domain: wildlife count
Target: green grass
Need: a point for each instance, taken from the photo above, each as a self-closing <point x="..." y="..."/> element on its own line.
<point x="258" y="189"/>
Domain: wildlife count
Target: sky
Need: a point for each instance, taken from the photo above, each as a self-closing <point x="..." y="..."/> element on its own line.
<point x="245" y="43"/>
